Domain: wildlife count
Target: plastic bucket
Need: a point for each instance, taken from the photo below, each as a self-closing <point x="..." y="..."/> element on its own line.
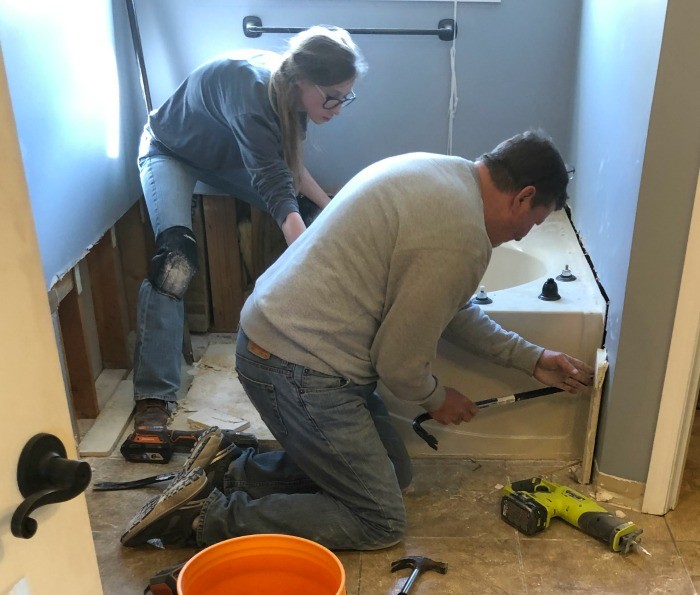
<point x="267" y="564"/>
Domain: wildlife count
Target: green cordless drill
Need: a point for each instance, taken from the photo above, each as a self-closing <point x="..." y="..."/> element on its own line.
<point x="530" y="504"/>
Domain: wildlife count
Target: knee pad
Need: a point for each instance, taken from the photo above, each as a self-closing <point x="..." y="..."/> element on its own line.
<point x="175" y="261"/>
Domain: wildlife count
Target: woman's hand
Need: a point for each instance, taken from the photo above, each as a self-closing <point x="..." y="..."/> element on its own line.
<point x="563" y="371"/>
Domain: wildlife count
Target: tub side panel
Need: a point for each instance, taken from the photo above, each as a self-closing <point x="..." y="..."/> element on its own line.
<point x="551" y="427"/>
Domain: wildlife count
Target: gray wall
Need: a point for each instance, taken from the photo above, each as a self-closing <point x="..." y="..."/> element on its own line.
<point x="76" y="102"/>
<point x="620" y="44"/>
<point x="78" y="109"/>
<point x="75" y="92"/>
<point x="637" y="145"/>
<point x="516" y="68"/>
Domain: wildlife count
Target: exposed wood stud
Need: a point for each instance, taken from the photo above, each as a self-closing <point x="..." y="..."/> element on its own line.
<point x="225" y="271"/>
<point x="134" y="250"/>
<point x="110" y="302"/>
<point x="77" y="358"/>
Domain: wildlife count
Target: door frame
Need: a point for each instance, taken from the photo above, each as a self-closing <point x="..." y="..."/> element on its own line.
<point x="680" y="390"/>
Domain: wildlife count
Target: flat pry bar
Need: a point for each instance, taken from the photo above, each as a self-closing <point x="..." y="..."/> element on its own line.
<point x="432" y="441"/>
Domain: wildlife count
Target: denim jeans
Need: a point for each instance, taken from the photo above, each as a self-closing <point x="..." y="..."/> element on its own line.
<point x="338" y="480"/>
<point x="167" y="187"/>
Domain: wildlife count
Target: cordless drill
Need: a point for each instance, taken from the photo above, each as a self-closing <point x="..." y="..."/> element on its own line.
<point x="530" y="504"/>
<point x="157" y="446"/>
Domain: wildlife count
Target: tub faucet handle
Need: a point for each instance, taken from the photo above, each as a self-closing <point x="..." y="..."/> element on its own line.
<point x="566" y="275"/>
<point x="550" y="291"/>
<point x="482" y="297"/>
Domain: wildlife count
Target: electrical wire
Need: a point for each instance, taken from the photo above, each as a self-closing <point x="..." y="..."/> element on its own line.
<point x="452" y="105"/>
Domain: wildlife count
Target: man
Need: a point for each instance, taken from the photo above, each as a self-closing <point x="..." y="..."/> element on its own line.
<point x="365" y="294"/>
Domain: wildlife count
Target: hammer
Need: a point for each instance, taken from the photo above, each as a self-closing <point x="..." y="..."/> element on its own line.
<point x="419" y="564"/>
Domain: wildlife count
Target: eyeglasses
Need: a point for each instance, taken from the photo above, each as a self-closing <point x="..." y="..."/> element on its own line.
<point x="570" y="171"/>
<point x="331" y="102"/>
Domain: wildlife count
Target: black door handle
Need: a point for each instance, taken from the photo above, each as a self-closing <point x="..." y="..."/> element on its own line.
<point x="46" y="476"/>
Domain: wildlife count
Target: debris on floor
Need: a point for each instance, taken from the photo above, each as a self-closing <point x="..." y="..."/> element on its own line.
<point x="208" y="417"/>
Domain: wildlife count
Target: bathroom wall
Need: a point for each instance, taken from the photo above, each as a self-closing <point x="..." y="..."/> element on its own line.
<point x="515" y="66"/>
<point x="636" y="144"/>
<point x="77" y="106"/>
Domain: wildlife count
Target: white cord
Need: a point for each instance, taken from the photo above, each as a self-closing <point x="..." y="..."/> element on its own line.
<point x="452" y="106"/>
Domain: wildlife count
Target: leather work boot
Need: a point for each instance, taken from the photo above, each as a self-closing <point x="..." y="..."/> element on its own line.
<point x="151" y="415"/>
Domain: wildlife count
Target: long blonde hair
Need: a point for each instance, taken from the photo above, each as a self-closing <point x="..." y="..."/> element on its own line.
<point x="323" y="56"/>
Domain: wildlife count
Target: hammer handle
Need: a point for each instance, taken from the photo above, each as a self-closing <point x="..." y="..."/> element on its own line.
<point x="409" y="583"/>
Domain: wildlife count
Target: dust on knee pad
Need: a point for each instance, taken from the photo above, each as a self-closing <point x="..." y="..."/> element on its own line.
<point x="175" y="261"/>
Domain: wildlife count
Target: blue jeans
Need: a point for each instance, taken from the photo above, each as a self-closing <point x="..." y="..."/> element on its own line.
<point x="338" y="480"/>
<point x="167" y="187"/>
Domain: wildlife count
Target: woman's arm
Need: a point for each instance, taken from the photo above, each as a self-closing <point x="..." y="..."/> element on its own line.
<point x="310" y="188"/>
<point x="293" y="227"/>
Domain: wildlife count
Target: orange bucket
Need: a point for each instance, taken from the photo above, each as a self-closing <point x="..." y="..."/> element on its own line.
<point x="266" y="564"/>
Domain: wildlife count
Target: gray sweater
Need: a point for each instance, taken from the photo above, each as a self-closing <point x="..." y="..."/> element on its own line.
<point x="220" y="119"/>
<point x="385" y="271"/>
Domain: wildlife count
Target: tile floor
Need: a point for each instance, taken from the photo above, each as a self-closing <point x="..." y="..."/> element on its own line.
<point x="453" y="511"/>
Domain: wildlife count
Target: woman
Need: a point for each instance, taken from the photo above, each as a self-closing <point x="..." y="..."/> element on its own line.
<point x="237" y="123"/>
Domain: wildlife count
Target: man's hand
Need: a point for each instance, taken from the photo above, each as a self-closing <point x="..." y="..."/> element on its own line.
<point x="563" y="371"/>
<point x="456" y="408"/>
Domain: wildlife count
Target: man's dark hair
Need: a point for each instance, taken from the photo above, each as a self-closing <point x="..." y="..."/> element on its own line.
<point x="529" y="159"/>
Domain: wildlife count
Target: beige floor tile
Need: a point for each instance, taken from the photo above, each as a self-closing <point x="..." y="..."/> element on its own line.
<point x="696" y="583"/>
<point x="456" y="474"/>
<point x="452" y="498"/>
<point x="566" y="566"/>
<point x="467" y="514"/>
<point x="352" y="562"/>
<point x="126" y="571"/>
<point x="473" y="566"/>
<point x="690" y="552"/>
<point x="684" y="521"/>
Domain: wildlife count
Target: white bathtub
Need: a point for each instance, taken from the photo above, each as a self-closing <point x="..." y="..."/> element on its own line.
<point x="550" y="427"/>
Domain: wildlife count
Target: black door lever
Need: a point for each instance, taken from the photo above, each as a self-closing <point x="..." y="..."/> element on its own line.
<point x="46" y="476"/>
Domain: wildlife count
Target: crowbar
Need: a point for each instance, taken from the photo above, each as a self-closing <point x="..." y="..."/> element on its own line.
<point x="432" y="441"/>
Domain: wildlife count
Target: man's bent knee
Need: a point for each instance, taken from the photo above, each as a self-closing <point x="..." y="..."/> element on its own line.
<point x="385" y="532"/>
<point x="389" y="536"/>
<point x="175" y="261"/>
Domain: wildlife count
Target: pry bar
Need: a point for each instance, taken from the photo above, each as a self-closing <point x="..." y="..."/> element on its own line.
<point x="432" y="441"/>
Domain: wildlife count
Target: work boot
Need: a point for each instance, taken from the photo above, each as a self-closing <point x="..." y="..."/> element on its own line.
<point x="151" y="415"/>
<point x="170" y="517"/>
<point x="214" y="451"/>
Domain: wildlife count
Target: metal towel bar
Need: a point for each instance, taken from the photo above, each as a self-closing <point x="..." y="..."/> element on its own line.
<point x="446" y="31"/>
